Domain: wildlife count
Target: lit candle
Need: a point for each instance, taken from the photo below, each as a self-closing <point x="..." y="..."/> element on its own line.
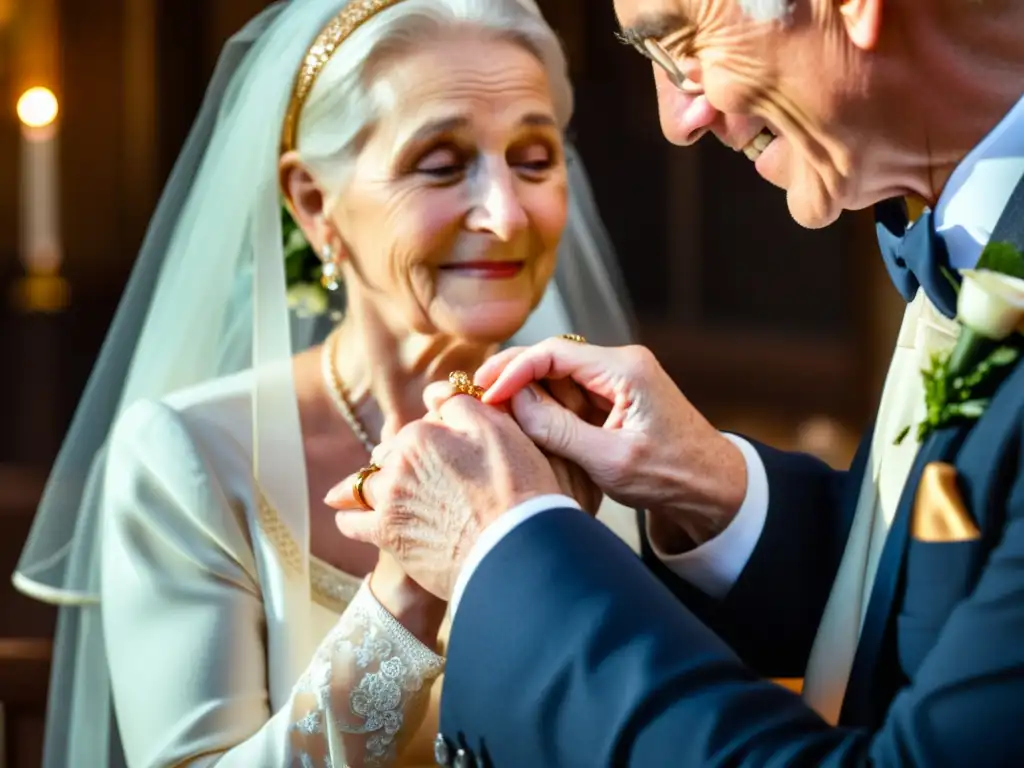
<point x="40" y="226"/>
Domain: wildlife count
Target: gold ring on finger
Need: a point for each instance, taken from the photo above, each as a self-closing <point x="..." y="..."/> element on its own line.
<point x="357" y="486"/>
<point x="463" y="385"/>
<point x="573" y="337"/>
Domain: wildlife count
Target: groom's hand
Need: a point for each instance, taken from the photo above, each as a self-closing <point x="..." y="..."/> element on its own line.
<point x="636" y="435"/>
<point x="442" y="481"/>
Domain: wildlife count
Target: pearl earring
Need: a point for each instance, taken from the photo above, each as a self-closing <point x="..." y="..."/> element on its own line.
<point x="329" y="269"/>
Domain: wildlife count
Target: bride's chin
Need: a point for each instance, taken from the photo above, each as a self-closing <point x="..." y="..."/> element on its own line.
<point x="486" y="323"/>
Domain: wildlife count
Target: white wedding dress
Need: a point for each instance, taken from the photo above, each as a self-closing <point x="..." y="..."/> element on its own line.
<point x="192" y="554"/>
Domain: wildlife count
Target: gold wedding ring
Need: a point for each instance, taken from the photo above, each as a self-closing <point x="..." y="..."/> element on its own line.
<point x="573" y="337"/>
<point x="463" y="385"/>
<point x="357" y="486"/>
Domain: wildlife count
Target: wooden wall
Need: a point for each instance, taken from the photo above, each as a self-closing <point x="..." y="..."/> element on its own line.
<point x="25" y="630"/>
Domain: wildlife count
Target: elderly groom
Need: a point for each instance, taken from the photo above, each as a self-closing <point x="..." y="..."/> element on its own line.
<point x="897" y="586"/>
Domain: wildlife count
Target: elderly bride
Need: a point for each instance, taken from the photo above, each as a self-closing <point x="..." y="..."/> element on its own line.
<point x="207" y="594"/>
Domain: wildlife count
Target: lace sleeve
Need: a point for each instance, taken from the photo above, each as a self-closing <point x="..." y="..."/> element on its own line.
<point x="366" y="689"/>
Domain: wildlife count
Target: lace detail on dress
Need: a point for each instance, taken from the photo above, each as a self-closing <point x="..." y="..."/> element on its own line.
<point x="331" y="588"/>
<point x="368" y="680"/>
<point x="310" y="724"/>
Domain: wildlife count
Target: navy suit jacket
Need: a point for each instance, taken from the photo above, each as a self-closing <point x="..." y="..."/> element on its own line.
<point x="568" y="650"/>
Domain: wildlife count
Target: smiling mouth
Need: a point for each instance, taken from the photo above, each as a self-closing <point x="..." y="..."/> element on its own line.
<point x="485" y="270"/>
<point x="758" y="144"/>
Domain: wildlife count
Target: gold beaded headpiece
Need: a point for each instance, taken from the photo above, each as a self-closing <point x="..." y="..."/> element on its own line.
<point x="349" y="19"/>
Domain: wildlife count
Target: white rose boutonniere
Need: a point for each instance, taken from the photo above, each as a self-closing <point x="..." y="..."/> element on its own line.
<point x="990" y="304"/>
<point x="990" y="310"/>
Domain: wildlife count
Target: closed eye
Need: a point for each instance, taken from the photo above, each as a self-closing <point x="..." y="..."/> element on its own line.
<point x="443" y="162"/>
<point x="533" y="158"/>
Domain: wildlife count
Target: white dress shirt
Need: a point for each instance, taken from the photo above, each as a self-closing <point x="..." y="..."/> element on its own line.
<point x="966" y="214"/>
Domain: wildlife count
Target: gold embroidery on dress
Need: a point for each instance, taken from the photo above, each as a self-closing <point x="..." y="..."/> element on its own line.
<point x="279" y="535"/>
<point x="331" y="588"/>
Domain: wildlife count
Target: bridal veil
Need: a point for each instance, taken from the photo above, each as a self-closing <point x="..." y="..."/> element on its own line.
<point x="206" y="298"/>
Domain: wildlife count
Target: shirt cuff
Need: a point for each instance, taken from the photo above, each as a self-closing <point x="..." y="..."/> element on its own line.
<point x="498" y="530"/>
<point x="714" y="566"/>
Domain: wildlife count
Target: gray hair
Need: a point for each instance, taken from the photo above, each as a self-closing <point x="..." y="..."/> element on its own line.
<point x="344" y="104"/>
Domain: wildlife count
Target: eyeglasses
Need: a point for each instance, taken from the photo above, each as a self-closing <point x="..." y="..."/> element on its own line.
<point x="653" y="50"/>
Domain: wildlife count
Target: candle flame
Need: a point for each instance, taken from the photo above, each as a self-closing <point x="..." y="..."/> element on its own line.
<point x="37" y="107"/>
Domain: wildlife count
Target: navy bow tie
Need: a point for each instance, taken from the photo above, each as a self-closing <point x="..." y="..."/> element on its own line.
<point x="915" y="256"/>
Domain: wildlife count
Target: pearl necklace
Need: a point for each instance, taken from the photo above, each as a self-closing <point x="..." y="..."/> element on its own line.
<point x="336" y="389"/>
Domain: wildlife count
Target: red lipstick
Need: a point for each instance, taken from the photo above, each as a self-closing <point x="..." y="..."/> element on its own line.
<point x="486" y="270"/>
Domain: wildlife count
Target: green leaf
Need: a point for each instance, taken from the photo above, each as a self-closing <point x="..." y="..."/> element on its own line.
<point x="972" y="409"/>
<point x="1002" y="356"/>
<point x="1004" y="258"/>
<point x="952" y="396"/>
<point x="902" y="435"/>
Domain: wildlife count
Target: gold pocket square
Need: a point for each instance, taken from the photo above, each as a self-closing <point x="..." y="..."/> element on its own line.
<point x="940" y="515"/>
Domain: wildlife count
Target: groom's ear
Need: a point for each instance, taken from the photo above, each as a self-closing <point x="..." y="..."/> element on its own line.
<point x="305" y="199"/>
<point x="863" y="21"/>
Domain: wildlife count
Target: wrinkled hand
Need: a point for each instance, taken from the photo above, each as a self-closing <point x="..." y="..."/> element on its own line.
<point x="571" y="478"/>
<point x="442" y="481"/>
<point x="631" y="430"/>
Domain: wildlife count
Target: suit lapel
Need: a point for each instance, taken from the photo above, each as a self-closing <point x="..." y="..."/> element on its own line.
<point x="862" y="692"/>
<point x="1010" y="227"/>
<point x="977" y="461"/>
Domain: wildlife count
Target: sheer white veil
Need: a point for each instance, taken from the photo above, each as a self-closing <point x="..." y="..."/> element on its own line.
<point x="207" y="297"/>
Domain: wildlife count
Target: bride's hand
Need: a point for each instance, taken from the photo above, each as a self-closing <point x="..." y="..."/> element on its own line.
<point x="415" y="608"/>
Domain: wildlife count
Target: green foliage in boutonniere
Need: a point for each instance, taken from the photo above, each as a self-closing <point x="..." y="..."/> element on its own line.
<point x="990" y="310"/>
<point x="1003" y="258"/>
<point x="302" y="268"/>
